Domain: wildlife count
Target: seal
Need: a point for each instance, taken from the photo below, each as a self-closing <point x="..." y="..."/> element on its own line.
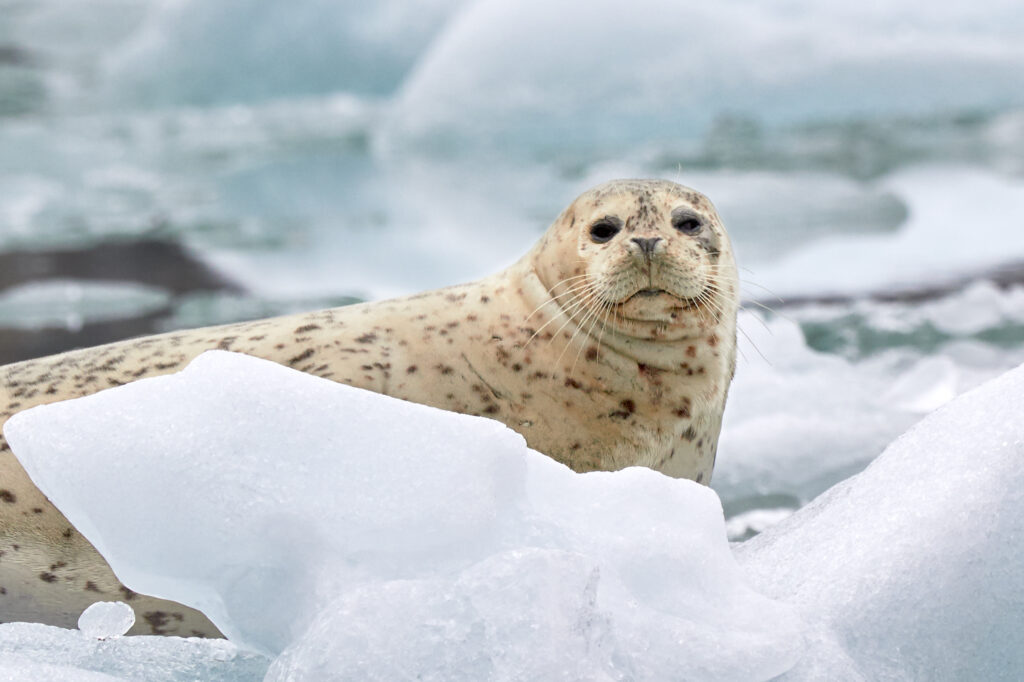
<point x="610" y="344"/>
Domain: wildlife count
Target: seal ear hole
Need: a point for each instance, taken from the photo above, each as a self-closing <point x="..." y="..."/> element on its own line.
<point x="603" y="230"/>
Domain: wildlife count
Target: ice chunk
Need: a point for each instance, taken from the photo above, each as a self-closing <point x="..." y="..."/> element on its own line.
<point x="911" y="570"/>
<point x="361" y="533"/>
<point x="106" y="619"/>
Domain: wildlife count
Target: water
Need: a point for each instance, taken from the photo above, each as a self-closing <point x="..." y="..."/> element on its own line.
<point x="869" y="162"/>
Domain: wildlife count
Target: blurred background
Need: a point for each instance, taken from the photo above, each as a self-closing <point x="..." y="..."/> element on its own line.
<point x="176" y="163"/>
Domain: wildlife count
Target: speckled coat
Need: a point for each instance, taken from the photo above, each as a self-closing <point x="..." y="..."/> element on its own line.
<point x="603" y="352"/>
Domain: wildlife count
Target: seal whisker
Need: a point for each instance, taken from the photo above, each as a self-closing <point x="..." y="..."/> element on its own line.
<point x="568" y="309"/>
<point x="555" y="297"/>
<point x="595" y="316"/>
<point x="583" y="304"/>
<point x="602" y="316"/>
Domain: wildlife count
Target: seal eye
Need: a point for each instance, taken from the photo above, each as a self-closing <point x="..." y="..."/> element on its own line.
<point x="688" y="224"/>
<point x="603" y="230"/>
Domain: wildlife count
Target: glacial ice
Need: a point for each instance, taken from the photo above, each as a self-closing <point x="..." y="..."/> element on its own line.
<point x="514" y="75"/>
<point x="350" y="535"/>
<point x="332" y="524"/>
<point x="912" y="569"/>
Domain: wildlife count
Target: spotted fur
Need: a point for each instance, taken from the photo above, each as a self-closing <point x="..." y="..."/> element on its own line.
<point x="602" y="355"/>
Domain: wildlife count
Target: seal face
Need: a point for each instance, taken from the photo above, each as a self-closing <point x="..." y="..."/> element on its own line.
<point x="610" y="344"/>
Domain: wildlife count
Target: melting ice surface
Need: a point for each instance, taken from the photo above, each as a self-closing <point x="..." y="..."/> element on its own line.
<point x="348" y="535"/>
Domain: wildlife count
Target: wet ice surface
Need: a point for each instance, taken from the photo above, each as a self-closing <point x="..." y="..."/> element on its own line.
<point x="415" y="541"/>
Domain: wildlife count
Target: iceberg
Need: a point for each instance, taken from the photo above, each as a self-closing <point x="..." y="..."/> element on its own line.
<point x="514" y="75"/>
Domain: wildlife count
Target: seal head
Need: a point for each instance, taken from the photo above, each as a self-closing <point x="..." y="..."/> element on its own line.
<point x="642" y="259"/>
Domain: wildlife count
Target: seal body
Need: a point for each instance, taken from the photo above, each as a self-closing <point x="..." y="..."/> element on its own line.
<point x="610" y="344"/>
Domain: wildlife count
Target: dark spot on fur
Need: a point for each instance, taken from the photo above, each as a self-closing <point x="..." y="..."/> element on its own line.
<point x="90" y="586"/>
<point x="628" y="405"/>
<point x="444" y="369"/>
<point x="572" y="383"/>
<point x="575" y="446"/>
<point x="411" y="369"/>
<point x="516" y="367"/>
<point x="304" y="355"/>
<point x="485" y="299"/>
<point x="712" y="340"/>
<point x="689" y="434"/>
<point x="367" y="338"/>
<point x="700" y="477"/>
<point x="47" y="577"/>
<point x="306" y="328"/>
<point x="157" y="621"/>
<point x="8" y="497"/>
<point x="68" y="532"/>
<point x="37" y="510"/>
<point x="591" y="354"/>
<point x="128" y="594"/>
<point x="691" y="351"/>
<point x="491" y="409"/>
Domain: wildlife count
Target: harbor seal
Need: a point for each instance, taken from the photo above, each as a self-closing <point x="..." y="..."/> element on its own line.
<point x="610" y="344"/>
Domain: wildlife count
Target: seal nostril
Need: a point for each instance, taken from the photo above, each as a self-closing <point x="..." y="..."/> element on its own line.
<point x="647" y="245"/>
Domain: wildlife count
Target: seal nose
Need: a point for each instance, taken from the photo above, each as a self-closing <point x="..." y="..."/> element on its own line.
<point x="647" y="245"/>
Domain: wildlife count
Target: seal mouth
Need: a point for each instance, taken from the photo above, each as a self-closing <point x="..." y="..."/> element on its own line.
<point x="681" y="302"/>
